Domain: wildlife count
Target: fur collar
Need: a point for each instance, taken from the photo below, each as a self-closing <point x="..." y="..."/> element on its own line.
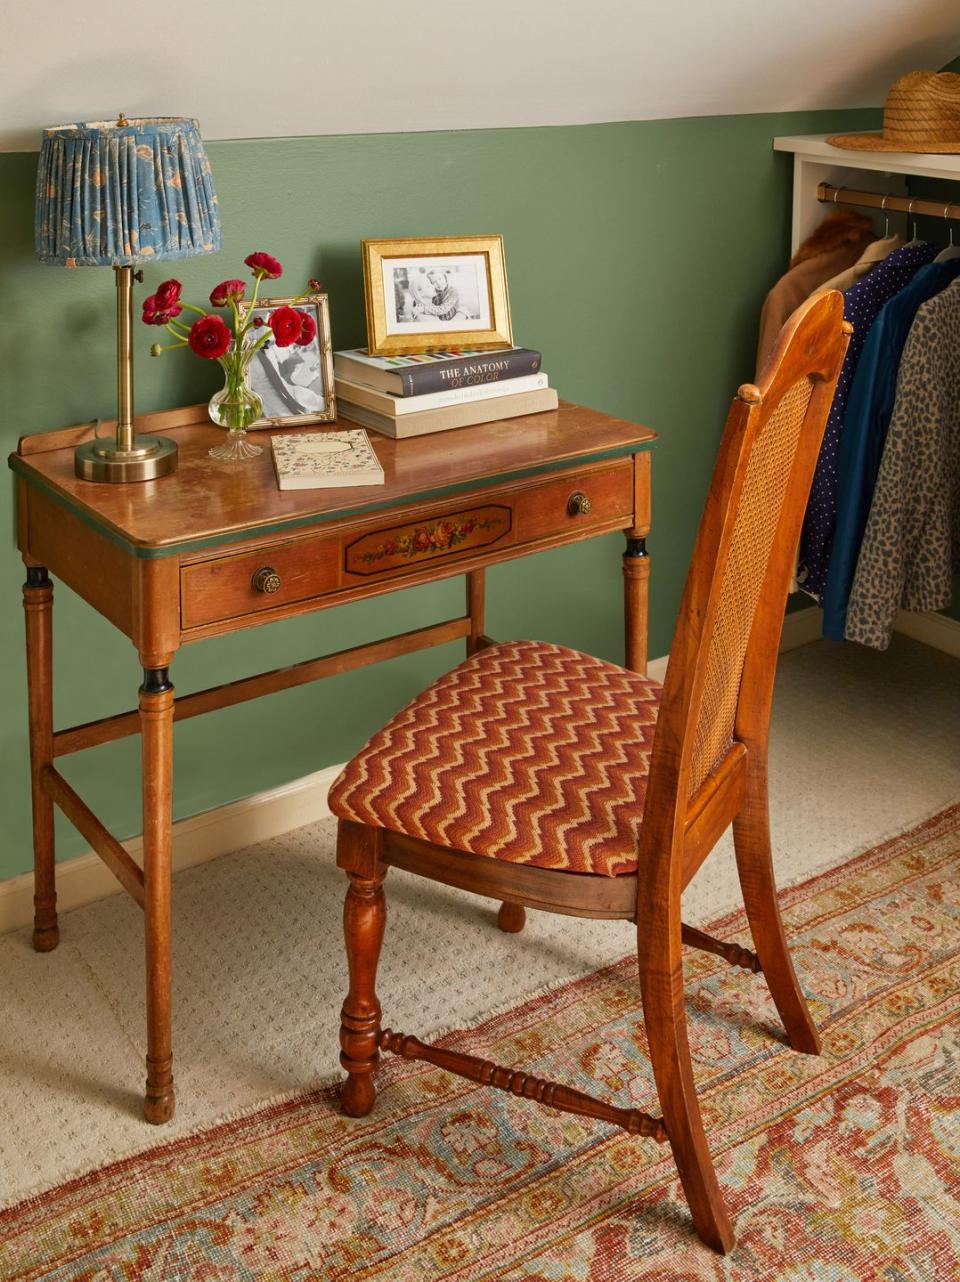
<point x="843" y="227"/>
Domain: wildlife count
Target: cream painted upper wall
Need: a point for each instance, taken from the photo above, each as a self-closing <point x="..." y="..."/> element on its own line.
<point x="305" y="67"/>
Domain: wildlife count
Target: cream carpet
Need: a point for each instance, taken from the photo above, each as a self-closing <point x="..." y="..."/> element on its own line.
<point x="863" y="744"/>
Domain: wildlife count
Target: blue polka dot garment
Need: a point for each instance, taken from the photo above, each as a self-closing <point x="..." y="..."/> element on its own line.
<point x="861" y="305"/>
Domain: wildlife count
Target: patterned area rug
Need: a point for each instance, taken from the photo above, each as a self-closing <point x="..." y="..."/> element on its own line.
<point x="844" y="1168"/>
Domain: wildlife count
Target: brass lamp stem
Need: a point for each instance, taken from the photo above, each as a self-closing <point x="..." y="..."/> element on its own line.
<point x="124" y="359"/>
<point x="127" y="456"/>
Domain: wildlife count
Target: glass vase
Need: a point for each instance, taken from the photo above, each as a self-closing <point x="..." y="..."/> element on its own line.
<point x="235" y="407"/>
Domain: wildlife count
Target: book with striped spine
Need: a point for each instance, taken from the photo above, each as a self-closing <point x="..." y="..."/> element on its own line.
<point x="434" y="371"/>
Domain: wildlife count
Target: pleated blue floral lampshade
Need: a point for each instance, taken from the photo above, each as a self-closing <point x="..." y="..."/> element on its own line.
<point x="115" y="193"/>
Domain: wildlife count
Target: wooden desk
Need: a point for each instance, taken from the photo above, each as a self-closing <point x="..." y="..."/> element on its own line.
<point x="217" y="547"/>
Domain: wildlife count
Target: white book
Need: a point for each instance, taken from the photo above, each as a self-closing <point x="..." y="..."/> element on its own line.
<point x="466" y="414"/>
<point x="388" y="403"/>
<point x="319" y="460"/>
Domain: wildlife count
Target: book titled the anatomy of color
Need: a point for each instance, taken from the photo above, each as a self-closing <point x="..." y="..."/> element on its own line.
<point x="434" y="371"/>
<point x="316" y="460"/>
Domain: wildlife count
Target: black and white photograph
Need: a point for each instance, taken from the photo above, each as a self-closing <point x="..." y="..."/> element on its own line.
<point x="428" y="294"/>
<point x="295" y="383"/>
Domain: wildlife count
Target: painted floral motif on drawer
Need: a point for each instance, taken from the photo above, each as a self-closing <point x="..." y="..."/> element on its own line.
<point x="404" y="545"/>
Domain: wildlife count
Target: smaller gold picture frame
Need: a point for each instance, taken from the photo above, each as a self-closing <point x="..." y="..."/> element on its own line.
<point x="295" y="383"/>
<point x="433" y="293"/>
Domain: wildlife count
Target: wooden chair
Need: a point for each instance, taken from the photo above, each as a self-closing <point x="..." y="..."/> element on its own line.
<point x="545" y="778"/>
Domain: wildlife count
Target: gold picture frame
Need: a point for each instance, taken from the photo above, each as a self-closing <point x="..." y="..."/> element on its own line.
<point x="304" y="383"/>
<point x="431" y="293"/>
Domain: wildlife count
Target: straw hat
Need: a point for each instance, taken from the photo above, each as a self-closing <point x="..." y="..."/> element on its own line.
<point x="921" y="114"/>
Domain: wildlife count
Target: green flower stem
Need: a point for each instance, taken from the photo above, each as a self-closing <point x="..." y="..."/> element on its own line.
<point x="256" y="290"/>
<point x="239" y="408"/>
<point x="255" y="347"/>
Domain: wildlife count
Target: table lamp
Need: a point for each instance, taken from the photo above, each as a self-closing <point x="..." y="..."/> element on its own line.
<point x="115" y="194"/>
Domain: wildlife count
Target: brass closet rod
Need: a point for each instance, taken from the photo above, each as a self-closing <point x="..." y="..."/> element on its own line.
<point x="830" y="195"/>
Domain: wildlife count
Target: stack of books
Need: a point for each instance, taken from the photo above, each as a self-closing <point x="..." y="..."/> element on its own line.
<point x="411" y="395"/>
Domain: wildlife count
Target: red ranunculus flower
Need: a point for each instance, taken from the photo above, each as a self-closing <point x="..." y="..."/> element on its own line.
<point x="226" y="290"/>
<point x="156" y="312"/>
<point x="168" y="292"/>
<point x="315" y="285"/>
<point x="287" y="324"/>
<point x="264" y="265"/>
<point x="209" y="337"/>
<point x="308" y="329"/>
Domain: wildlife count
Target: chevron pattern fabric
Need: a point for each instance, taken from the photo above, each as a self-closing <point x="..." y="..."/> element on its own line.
<point x="527" y="752"/>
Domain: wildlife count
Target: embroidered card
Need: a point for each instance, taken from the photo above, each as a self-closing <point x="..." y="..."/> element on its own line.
<point x="317" y="460"/>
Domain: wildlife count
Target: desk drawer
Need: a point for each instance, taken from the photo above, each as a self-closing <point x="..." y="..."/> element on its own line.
<point x="278" y="576"/>
<point x="580" y="502"/>
<point x="251" y="582"/>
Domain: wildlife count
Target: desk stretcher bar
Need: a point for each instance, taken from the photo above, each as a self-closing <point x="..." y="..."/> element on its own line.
<point x="107" y="729"/>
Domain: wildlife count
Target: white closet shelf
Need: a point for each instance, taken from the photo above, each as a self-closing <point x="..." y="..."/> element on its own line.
<point x="816" y="161"/>
<point x="816" y="147"/>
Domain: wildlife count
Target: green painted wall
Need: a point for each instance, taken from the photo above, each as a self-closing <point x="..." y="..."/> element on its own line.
<point x="638" y="257"/>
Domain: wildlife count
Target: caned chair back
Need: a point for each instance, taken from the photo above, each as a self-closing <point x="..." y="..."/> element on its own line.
<point x="719" y="682"/>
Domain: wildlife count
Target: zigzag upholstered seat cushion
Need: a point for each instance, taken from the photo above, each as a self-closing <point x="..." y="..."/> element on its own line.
<point x="527" y="752"/>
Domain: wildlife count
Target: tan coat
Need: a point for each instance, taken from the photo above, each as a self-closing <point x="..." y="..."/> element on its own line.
<point x="873" y="254"/>
<point x="836" y="245"/>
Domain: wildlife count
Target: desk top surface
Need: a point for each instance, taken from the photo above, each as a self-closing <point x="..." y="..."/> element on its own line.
<point x="207" y="502"/>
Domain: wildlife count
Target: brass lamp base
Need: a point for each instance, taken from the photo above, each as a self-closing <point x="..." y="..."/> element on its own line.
<point x="150" y="457"/>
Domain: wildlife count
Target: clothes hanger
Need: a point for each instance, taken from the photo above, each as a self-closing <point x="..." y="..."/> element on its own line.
<point x="952" y="251"/>
<point x="836" y="205"/>
<point x="915" y="239"/>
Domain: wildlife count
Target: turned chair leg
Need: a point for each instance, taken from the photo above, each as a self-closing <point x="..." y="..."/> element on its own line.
<point x="364" y="919"/>
<point x="661" y="983"/>
<point x="512" y="918"/>
<point x="751" y="838"/>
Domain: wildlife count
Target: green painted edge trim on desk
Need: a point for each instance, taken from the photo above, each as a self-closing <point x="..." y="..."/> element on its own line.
<point x="301" y="522"/>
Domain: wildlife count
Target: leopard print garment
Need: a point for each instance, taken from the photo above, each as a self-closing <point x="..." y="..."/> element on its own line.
<point x="911" y="545"/>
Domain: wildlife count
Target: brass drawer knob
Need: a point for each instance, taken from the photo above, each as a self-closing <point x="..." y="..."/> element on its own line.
<point x="266" y="580"/>
<point x="578" y="504"/>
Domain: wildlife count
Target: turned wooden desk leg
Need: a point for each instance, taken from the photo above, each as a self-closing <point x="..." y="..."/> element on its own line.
<point x="156" y="728"/>
<point x="636" y="583"/>
<point x="38" y="609"/>
<point x="476" y="604"/>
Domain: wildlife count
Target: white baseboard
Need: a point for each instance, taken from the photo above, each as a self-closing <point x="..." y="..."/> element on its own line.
<point x="657" y="668"/>
<point x="801" y="627"/>
<point x="215" y="832"/>
<point x="934" y="630"/>
<point x="271" y="814"/>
